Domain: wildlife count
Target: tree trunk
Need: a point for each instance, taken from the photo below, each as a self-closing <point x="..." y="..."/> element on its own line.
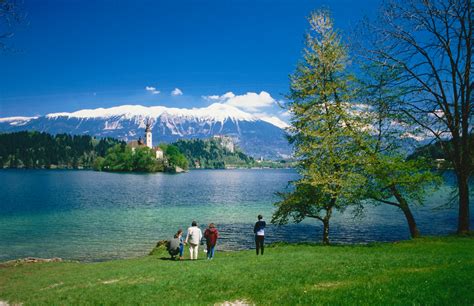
<point x="326" y="232"/>
<point x="403" y="204"/>
<point x="326" y="224"/>
<point x="463" y="217"/>
<point x="414" y="232"/>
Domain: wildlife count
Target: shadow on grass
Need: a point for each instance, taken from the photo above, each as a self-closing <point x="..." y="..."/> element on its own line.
<point x="169" y="258"/>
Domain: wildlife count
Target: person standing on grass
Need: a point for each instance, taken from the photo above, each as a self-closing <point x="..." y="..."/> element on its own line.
<point x="193" y="237"/>
<point x="211" y="234"/>
<point x="179" y="235"/>
<point x="259" y="231"/>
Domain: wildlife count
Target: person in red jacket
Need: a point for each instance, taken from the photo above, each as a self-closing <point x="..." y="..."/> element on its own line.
<point x="211" y="234"/>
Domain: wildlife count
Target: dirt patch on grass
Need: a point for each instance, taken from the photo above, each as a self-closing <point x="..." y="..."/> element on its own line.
<point x="3" y="303"/>
<point x="418" y="269"/>
<point x="129" y="281"/>
<point x="331" y="285"/>
<point x="111" y="281"/>
<point x="52" y="286"/>
<point x="234" y="303"/>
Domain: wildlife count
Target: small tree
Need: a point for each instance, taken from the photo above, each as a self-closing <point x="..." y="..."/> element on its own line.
<point x="328" y="158"/>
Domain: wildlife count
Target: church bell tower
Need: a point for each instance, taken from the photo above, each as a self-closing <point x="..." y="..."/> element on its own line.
<point x="148" y="139"/>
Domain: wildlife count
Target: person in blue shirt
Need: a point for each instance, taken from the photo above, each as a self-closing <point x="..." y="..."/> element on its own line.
<point x="259" y="231"/>
<point x="179" y="235"/>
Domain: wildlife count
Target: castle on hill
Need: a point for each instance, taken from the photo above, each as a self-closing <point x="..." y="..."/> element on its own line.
<point x="148" y="142"/>
<point x="226" y="142"/>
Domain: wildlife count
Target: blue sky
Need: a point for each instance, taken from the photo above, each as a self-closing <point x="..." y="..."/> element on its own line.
<point x="72" y="55"/>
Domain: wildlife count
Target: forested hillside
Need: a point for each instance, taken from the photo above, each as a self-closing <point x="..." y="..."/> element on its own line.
<point x="211" y="154"/>
<point x="43" y="150"/>
<point x="434" y="151"/>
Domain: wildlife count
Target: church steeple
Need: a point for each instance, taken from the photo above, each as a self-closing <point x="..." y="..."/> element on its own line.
<point x="148" y="135"/>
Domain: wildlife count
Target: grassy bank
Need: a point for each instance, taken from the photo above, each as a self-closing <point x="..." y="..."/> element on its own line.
<point x="423" y="271"/>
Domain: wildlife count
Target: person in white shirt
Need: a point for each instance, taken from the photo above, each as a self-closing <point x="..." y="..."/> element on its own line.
<point x="193" y="237"/>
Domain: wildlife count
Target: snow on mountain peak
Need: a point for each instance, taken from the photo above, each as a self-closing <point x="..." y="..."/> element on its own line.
<point x="275" y="121"/>
<point x="17" y="121"/>
<point x="216" y="111"/>
<point x="17" y="118"/>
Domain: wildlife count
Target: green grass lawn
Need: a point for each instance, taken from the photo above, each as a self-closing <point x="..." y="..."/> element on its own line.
<point x="422" y="271"/>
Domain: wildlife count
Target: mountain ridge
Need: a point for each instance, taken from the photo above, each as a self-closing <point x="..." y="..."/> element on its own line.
<point x="257" y="136"/>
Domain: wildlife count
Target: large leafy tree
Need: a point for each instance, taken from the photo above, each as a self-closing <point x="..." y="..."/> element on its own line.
<point x="430" y="42"/>
<point x="391" y="179"/>
<point x="329" y="160"/>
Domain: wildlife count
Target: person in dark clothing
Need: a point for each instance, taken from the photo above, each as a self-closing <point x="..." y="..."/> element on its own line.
<point x="259" y="231"/>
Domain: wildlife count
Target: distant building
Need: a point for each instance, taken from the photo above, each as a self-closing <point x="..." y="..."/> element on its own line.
<point x="226" y="142"/>
<point x="158" y="153"/>
<point x="148" y="138"/>
<point x="148" y="135"/>
<point x="197" y="164"/>
<point x="136" y="144"/>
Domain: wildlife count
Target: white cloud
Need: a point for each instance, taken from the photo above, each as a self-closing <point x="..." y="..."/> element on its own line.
<point x="152" y="90"/>
<point x="211" y="98"/>
<point x="176" y="92"/>
<point x="251" y="101"/>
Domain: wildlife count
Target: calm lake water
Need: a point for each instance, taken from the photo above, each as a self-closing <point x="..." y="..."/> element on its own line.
<point x="86" y="215"/>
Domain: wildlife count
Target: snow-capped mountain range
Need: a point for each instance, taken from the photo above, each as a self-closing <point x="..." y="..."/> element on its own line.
<point x="256" y="135"/>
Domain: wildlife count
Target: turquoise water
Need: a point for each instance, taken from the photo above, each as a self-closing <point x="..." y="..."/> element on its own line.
<point x="86" y="215"/>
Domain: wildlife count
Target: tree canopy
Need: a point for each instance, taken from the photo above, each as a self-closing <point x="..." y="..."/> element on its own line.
<point x="43" y="150"/>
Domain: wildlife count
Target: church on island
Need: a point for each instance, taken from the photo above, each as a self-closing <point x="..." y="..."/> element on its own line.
<point x="148" y="143"/>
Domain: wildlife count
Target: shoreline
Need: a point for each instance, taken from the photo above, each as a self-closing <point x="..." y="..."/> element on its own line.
<point x="191" y="169"/>
<point x="160" y="249"/>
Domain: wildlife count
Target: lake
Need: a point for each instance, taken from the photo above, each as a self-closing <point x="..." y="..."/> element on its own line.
<point x="93" y="216"/>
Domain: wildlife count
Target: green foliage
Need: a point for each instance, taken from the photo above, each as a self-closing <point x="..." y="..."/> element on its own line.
<point x="275" y="164"/>
<point x="389" y="174"/>
<point x="174" y="157"/>
<point x="122" y="158"/>
<point x="211" y="154"/>
<point x="43" y="150"/>
<point x="347" y="153"/>
<point x="413" y="178"/>
<point x="329" y="160"/>
<point x="302" y="202"/>
<point x="427" y="271"/>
